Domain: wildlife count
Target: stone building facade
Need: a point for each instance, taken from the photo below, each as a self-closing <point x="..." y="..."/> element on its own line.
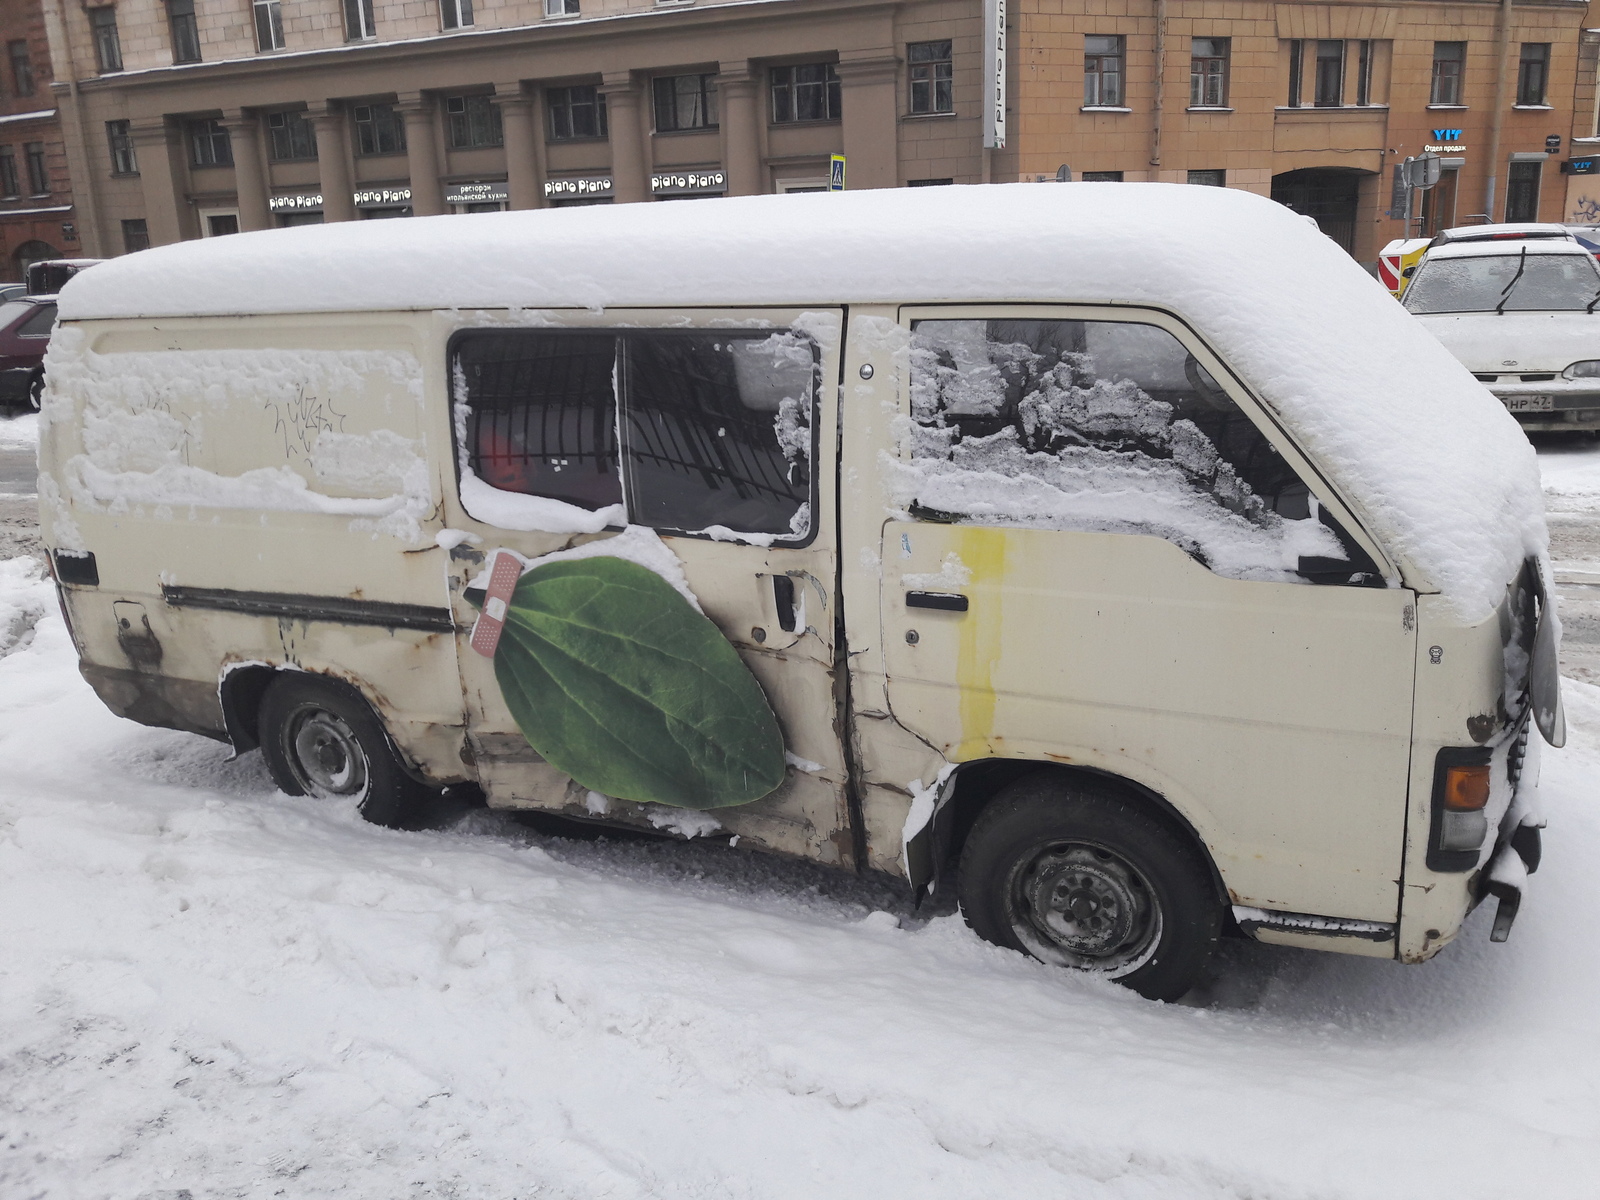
<point x="198" y="117"/>
<point x="37" y="217"/>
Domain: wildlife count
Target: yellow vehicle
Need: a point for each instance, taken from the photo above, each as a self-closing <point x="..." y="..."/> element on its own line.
<point x="1397" y="262"/>
<point x="965" y="535"/>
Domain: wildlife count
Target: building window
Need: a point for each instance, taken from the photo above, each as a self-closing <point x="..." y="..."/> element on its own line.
<point x="932" y="74"/>
<point x="1297" y="53"/>
<point x="379" y="130"/>
<point x="185" y="33"/>
<point x="8" y="173"/>
<point x="359" y="23"/>
<point x="576" y="112"/>
<point x="560" y="8"/>
<point x="685" y="102"/>
<point x="1364" y="72"/>
<point x="806" y="92"/>
<point x="269" y="25"/>
<point x="1102" y="71"/>
<point x="21" y="68"/>
<point x="38" y="178"/>
<point x="120" y="137"/>
<point x="291" y="136"/>
<point x="1102" y="176"/>
<point x="209" y="144"/>
<point x="1447" y="60"/>
<point x="1208" y="72"/>
<point x="1532" y="72"/>
<point x="1329" y="83"/>
<point x="1209" y="178"/>
<point x="909" y="183"/>
<point x="1522" y="191"/>
<point x="135" y="236"/>
<point x="107" y="46"/>
<point x="455" y="14"/>
<point x="474" y="122"/>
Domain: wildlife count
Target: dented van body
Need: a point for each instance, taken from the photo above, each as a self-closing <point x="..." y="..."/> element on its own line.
<point x="1038" y="564"/>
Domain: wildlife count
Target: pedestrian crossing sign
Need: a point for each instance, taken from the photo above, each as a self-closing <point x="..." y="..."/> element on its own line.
<point x="836" y="173"/>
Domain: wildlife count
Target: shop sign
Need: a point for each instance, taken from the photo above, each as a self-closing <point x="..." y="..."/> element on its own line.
<point x="301" y="202"/>
<point x="477" y="193"/>
<point x="577" y="185"/>
<point x="1452" y="148"/>
<point x="382" y="197"/>
<point x="689" y="183"/>
<point x="1581" y="166"/>
<point x="994" y="74"/>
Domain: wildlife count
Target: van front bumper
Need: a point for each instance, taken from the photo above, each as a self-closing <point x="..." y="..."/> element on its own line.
<point x="1516" y="856"/>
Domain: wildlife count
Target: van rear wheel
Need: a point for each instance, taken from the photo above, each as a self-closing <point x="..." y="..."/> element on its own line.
<point x="1087" y="880"/>
<point x="321" y="738"/>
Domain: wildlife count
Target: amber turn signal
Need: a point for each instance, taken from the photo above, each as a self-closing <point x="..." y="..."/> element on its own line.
<point x="1466" y="788"/>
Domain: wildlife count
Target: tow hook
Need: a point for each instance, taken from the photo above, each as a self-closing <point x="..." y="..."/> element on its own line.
<point x="1516" y="859"/>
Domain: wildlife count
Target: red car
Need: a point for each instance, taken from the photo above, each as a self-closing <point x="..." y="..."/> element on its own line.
<point x="25" y="324"/>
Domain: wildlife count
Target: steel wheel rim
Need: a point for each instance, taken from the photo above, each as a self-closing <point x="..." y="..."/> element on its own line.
<point x="326" y="755"/>
<point x="1081" y="905"/>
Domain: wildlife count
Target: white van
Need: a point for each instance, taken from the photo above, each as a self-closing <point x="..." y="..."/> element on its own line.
<point x="969" y="535"/>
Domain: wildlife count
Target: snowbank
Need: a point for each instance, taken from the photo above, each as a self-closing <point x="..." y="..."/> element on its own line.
<point x="208" y="987"/>
<point x="1433" y="462"/>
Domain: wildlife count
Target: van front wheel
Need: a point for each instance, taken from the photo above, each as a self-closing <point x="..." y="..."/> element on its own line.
<point x="323" y="739"/>
<point x="1089" y="881"/>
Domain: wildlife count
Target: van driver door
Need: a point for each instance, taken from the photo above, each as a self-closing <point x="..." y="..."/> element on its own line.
<point x="1110" y="556"/>
<point x="712" y="431"/>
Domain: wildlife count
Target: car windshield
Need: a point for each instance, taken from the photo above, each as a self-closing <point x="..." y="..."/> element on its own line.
<point x="1550" y="283"/>
<point x="11" y="310"/>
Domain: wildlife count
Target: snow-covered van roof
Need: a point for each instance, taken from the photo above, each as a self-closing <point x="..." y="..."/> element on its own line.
<point x="1442" y="473"/>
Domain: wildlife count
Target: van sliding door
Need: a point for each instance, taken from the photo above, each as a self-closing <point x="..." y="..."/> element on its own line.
<point x="714" y="433"/>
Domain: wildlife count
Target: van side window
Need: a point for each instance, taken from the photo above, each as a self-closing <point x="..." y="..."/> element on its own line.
<point x="693" y="432"/>
<point x="1101" y="426"/>
<point x="541" y="419"/>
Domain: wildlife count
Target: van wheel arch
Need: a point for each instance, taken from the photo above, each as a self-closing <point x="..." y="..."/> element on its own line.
<point x="243" y="689"/>
<point x="977" y="783"/>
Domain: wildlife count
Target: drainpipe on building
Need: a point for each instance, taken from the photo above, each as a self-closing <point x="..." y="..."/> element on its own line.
<point x="1161" y="86"/>
<point x="1501" y="79"/>
<point x="92" y="239"/>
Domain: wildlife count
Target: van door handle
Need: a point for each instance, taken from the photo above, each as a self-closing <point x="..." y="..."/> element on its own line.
<point x="783" y="597"/>
<point x="946" y="601"/>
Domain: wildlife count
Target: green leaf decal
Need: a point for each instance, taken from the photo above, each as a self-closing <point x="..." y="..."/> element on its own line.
<point x="616" y="680"/>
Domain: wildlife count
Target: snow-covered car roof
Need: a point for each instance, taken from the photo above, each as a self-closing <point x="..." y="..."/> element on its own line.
<point x="1486" y="233"/>
<point x="1505" y="249"/>
<point x="1435" y="465"/>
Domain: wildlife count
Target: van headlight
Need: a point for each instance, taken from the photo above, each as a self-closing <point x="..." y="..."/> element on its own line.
<point x="1460" y="797"/>
<point x="1589" y="368"/>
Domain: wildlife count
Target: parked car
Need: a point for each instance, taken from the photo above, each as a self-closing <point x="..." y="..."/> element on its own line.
<point x="25" y="324"/>
<point x="10" y="291"/>
<point x="1520" y="307"/>
<point x="969" y="536"/>
<point x="49" y="275"/>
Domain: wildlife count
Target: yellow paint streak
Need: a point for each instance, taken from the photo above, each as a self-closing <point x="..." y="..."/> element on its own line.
<point x="983" y="551"/>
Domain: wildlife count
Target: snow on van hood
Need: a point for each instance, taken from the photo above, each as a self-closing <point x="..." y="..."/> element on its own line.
<point x="1518" y="341"/>
<point x="1430" y="459"/>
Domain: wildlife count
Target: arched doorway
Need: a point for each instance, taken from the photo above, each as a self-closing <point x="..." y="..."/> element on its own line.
<point x="1328" y="195"/>
<point x="32" y="252"/>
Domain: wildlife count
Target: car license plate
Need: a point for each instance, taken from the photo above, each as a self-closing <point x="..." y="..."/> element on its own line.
<point x="1528" y="404"/>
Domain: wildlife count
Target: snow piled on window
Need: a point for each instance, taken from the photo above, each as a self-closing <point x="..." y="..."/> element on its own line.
<point x="1429" y="461"/>
<point x="167" y="433"/>
<point x="1102" y="455"/>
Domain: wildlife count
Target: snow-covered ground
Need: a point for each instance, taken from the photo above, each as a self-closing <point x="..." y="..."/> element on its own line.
<point x="208" y="989"/>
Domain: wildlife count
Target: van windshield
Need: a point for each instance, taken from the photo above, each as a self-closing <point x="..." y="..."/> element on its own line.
<point x="1550" y="283"/>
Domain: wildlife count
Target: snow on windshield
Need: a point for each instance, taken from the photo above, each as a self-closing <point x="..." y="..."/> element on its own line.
<point x="1098" y="426"/>
<point x="1524" y="282"/>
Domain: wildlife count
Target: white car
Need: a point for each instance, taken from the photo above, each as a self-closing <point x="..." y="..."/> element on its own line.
<point x="1520" y="307"/>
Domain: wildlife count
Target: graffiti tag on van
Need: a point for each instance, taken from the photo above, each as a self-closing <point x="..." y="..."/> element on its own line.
<point x="304" y="419"/>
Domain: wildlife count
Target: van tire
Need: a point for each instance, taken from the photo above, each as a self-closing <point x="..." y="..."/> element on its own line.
<point x="321" y="738"/>
<point x="1089" y="880"/>
<point x="36" y="390"/>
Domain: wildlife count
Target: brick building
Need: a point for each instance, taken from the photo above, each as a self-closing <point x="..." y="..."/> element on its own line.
<point x="37" y="218"/>
<point x="198" y="117"/>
